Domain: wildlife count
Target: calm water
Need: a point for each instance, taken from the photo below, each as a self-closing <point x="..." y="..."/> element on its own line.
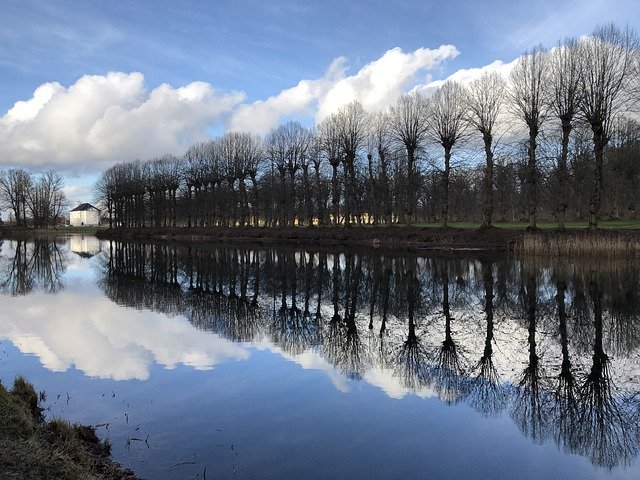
<point x="292" y="363"/>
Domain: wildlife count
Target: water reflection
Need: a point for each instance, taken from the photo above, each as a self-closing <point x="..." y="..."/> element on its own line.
<point x="552" y="345"/>
<point x="37" y="264"/>
<point x="430" y="321"/>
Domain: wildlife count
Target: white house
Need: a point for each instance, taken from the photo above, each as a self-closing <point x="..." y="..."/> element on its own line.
<point x="83" y="215"/>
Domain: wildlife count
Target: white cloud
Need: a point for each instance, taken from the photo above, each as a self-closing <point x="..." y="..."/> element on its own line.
<point x="376" y="85"/>
<point x="101" y="119"/>
<point x="467" y="75"/>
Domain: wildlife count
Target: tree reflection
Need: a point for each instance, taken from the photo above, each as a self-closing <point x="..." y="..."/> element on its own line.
<point x="528" y="410"/>
<point x="411" y="362"/>
<point x="450" y="382"/>
<point x="39" y="264"/>
<point x="565" y="406"/>
<point x="607" y="432"/>
<point x="407" y="319"/>
<point x="487" y="395"/>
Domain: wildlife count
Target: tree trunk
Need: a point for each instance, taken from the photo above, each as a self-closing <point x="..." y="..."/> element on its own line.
<point x="599" y="142"/>
<point x="532" y="193"/>
<point x="563" y="175"/>
<point x="411" y="194"/>
<point x="320" y="209"/>
<point x="335" y="198"/>
<point x="488" y="182"/>
<point x="307" y="195"/>
<point x="445" y="186"/>
<point x="256" y="208"/>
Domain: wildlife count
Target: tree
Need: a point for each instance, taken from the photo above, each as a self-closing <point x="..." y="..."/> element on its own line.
<point x="409" y="126"/>
<point x="484" y="102"/>
<point x="446" y="126"/>
<point x="329" y="133"/>
<point x="14" y="190"/>
<point x="564" y="94"/>
<point x="606" y="61"/>
<point x="46" y="199"/>
<point x="530" y="105"/>
<point x="353" y="124"/>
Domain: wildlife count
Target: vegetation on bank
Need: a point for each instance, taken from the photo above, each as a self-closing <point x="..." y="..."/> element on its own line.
<point x="606" y="242"/>
<point x="28" y="231"/>
<point x="32" y="448"/>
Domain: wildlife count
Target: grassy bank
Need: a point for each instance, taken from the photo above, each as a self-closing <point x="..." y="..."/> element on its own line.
<point x="32" y="448"/>
<point x="572" y="242"/>
<point x="9" y="232"/>
<point x="378" y="237"/>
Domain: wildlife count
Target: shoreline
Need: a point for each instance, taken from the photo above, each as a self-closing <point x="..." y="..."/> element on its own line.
<point x="32" y="447"/>
<point x="410" y="238"/>
<point x="602" y="243"/>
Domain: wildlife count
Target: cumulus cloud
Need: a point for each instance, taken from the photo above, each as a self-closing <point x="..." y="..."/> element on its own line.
<point x="101" y="119"/>
<point x="467" y="75"/>
<point x="376" y="85"/>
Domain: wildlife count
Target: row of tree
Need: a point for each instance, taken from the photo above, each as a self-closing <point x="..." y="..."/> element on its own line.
<point x="547" y="145"/>
<point x="36" y="200"/>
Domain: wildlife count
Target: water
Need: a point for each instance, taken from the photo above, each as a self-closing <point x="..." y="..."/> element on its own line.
<point x="293" y="363"/>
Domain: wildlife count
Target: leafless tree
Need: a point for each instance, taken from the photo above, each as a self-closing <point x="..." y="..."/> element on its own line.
<point x="408" y="124"/>
<point x="14" y="190"/>
<point x="607" y="62"/>
<point x="528" y="101"/>
<point x="46" y="199"/>
<point x="564" y="94"/>
<point x="353" y="124"/>
<point x="446" y="126"/>
<point x="484" y="102"/>
<point x="330" y="139"/>
<point x="380" y="138"/>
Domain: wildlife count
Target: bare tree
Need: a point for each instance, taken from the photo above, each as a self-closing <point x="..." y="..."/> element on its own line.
<point x="446" y="126"/>
<point x="353" y="124"/>
<point x="46" y="199"/>
<point x="484" y="102"/>
<point x="529" y="104"/>
<point x="564" y="91"/>
<point x="408" y="123"/>
<point x="14" y="190"/>
<point x="332" y="147"/>
<point x="607" y="62"/>
<point x="380" y="138"/>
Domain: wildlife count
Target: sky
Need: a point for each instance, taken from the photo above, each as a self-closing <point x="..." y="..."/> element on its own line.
<point x="89" y="83"/>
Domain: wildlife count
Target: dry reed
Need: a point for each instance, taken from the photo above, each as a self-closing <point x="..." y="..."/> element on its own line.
<point x="594" y="245"/>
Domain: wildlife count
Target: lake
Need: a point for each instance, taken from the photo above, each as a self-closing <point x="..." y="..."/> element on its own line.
<point x="257" y="362"/>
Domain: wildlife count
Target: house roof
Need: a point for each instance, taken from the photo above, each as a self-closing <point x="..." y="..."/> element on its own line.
<point x="84" y="206"/>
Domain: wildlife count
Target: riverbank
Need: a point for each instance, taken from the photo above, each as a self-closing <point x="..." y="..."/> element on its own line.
<point x="601" y="243"/>
<point x="22" y="232"/>
<point x="32" y="448"/>
<point x="378" y="237"/>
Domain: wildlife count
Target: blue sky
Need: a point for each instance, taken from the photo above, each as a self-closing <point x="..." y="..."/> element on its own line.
<point x="242" y="52"/>
<point x="261" y="47"/>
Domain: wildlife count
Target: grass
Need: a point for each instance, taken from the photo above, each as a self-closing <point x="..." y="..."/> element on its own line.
<point x="49" y="231"/>
<point x="32" y="448"/>
<point x="604" y="245"/>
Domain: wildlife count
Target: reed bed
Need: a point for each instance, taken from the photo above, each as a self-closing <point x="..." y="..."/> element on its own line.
<point x="584" y="244"/>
